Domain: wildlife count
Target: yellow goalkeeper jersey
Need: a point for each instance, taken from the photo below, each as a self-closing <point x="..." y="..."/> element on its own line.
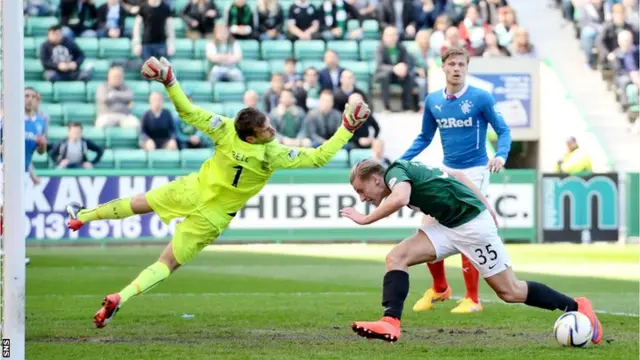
<point x="238" y="170"/>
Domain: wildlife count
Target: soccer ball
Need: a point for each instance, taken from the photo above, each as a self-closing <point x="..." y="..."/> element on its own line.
<point x="573" y="329"/>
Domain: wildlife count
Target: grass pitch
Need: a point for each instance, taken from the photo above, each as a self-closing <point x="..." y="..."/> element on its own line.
<point x="287" y="302"/>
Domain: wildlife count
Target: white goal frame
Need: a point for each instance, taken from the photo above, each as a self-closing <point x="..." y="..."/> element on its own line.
<point x="13" y="242"/>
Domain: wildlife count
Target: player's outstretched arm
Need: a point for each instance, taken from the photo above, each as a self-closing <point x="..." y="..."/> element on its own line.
<point x="498" y="124"/>
<point x="425" y="137"/>
<point x="285" y="157"/>
<point x="212" y="125"/>
<point x="399" y="197"/>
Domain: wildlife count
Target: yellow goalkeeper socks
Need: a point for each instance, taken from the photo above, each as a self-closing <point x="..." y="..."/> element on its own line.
<point x="147" y="279"/>
<point x="116" y="209"/>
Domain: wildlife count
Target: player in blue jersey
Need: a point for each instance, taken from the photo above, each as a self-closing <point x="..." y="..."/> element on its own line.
<point x="35" y="126"/>
<point x="461" y="113"/>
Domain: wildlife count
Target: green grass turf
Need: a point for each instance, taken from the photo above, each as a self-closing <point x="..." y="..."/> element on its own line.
<point x="271" y="306"/>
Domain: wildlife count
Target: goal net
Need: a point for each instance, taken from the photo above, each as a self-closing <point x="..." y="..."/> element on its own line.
<point x="12" y="238"/>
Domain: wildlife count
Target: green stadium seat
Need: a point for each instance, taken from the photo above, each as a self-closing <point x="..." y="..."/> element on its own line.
<point x="45" y="89"/>
<point x="339" y="161"/>
<point x="92" y="87"/>
<point x="255" y="70"/>
<point x="56" y="133"/>
<point x="316" y="3"/>
<point x="309" y="50"/>
<point x="164" y="159"/>
<point x="38" y="40"/>
<point x="107" y="161"/>
<point x="230" y="91"/>
<point x="276" y="49"/>
<point x="184" y="49"/>
<point x="260" y="87"/>
<point x="69" y="91"/>
<point x="232" y="108"/>
<point x="122" y="138"/>
<point x="130" y="159"/>
<point x="30" y="47"/>
<point x="140" y="89"/>
<point x="193" y="158"/>
<point x="368" y="49"/>
<point x="346" y="49"/>
<point x="79" y="112"/>
<point x="128" y="24"/>
<point x="39" y="26"/>
<point x="356" y="155"/>
<point x="88" y="45"/>
<point x="215" y="108"/>
<point x="139" y="108"/>
<point x="360" y="69"/>
<point x="33" y="69"/>
<point x="371" y="30"/>
<point x="54" y="111"/>
<point x="95" y="134"/>
<point x="100" y="68"/>
<point x="353" y="24"/>
<point x="180" y="4"/>
<point x="187" y="69"/>
<point x="200" y="90"/>
<point x="40" y="161"/>
<point x="317" y="64"/>
<point x="277" y="66"/>
<point x="222" y="6"/>
<point x="179" y="26"/>
<point x="364" y="86"/>
<point x="200" y="48"/>
<point x="250" y="49"/>
<point x="115" y="48"/>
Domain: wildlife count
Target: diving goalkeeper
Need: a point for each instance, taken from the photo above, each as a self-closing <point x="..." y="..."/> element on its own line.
<point x="245" y="158"/>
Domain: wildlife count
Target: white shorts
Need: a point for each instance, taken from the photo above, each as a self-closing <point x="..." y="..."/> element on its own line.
<point x="479" y="176"/>
<point x="478" y="240"/>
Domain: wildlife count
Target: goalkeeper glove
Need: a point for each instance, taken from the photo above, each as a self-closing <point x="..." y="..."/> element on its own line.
<point x="158" y="70"/>
<point x="353" y="118"/>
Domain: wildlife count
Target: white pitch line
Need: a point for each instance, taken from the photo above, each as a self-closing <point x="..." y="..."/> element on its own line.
<point x="274" y="294"/>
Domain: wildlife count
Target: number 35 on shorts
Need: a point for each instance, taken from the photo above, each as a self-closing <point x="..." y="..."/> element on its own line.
<point x="486" y="254"/>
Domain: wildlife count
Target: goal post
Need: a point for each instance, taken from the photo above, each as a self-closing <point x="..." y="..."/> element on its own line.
<point x="13" y="156"/>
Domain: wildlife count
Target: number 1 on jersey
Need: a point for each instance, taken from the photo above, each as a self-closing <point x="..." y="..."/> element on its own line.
<point x="236" y="178"/>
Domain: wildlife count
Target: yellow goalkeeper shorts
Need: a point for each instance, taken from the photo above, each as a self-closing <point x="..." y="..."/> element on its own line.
<point x="181" y="199"/>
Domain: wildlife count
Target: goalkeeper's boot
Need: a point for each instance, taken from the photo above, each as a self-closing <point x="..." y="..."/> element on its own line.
<point x="431" y="296"/>
<point x="387" y="329"/>
<point x="466" y="306"/>
<point x="72" y="210"/>
<point x="110" y="307"/>
<point x="584" y="306"/>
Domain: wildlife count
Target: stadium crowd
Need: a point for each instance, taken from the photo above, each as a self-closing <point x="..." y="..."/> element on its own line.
<point x="299" y="61"/>
<point x="608" y="31"/>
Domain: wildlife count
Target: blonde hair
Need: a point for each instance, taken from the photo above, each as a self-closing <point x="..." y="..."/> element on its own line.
<point x="455" y="51"/>
<point x="365" y="169"/>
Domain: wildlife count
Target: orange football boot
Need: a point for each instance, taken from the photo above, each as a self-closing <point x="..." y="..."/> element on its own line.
<point x="72" y="210"/>
<point x="387" y="329"/>
<point x="584" y="306"/>
<point x="110" y="307"/>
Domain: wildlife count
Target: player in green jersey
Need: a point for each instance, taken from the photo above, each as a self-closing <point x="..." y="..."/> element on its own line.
<point x="245" y="158"/>
<point x="466" y="224"/>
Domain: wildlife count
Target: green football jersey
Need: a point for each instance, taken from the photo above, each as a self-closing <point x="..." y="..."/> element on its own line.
<point x="435" y="192"/>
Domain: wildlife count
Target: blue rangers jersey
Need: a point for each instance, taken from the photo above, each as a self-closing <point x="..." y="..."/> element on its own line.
<point x="462" y="120"/>
<point x="33" y="127"/>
